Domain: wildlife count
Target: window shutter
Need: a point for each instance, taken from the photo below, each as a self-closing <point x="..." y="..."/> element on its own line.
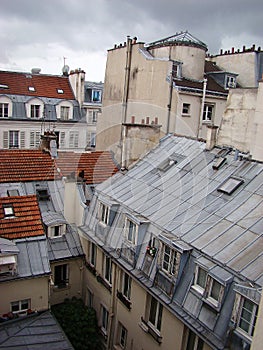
<point x="71" y="139"/>
<point x="32" y="139"/>
<point x="62" y="138"/>
<point x="90" y="117"/>
<point x="22" y="139"/>
<point x="88" y="138"/>
<point x="76" y="140"/>
<point x="5" y="139"/>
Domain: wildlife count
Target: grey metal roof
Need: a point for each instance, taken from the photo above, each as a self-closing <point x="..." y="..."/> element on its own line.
<point x="32" y="259"/>
<point x="185" y="202"/>
<point x="38" y="331"/>
<point x="66" y="246"/>
<point x="7" y="247"/>
<point x="52" y="218"/>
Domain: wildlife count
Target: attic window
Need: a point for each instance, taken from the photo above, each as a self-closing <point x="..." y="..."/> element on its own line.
<point x="31" y="88"/>
<point x="230" y="81"/>
<point x="230" y="185"/>
<point x="218" y="163"/>
<point x="8" y="210"/>
<point x="42" y="194"/>
<point x="3" y="86"/>
<point x="60" y="91"/>
<point x="13" y="192"/>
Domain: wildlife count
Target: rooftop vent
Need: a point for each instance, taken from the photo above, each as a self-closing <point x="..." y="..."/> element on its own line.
<point x="35" y="70"/>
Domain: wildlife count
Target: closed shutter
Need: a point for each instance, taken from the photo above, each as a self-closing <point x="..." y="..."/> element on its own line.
<point x="62" y="137"/>
<point x="76" y="140"/>
<point x="32" y="139"/>
<point x="5" y="139"/>
<point x="22" y="139"/>
<point x="88" y="138"/>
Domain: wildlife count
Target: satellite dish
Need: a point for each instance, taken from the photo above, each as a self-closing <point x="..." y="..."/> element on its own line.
<point x="65" y="69"/>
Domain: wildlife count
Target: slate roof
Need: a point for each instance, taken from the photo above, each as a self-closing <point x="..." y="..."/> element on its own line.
<point x="66" y="246"/>
<point x="45" y="85"/>
<point x="26" y="221"/>
<point x="34" y="332"/>
<point x="34" y="165"/>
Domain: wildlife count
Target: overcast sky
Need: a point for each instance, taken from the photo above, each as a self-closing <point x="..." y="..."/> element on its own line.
<point x="40" y="33"/>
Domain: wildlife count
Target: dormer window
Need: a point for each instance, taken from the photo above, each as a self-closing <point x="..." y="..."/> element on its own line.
<point x="104" y="213"/>
<point x="131" y="229"/>
<point x="42" y="194"/>
<point x="96" y="96"/>
<point x="177" y="70"/>
<point x="230" y="81"/>
<point x="3" y="110"/>
<point x="8" y="210"/>
<point x="56" y="231"/>
<point x="35" y="111"/>
<point x="169" y="260"/>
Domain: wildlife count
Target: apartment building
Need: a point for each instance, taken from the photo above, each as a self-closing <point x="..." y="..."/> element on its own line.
<point x="174" y="249"/>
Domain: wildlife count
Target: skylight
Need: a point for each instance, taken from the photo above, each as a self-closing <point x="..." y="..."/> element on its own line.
<point x="31" y="88"/>
<point x="230" y="185"/>
<point x="3" y="86"/>
<point x="60" y="91"/>
<point x="8" y="210"/>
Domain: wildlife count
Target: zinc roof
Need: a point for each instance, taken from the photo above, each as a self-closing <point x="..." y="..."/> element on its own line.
<point x="185" y="203"/>
<point x="26" y="218"/>
<point x="44" y="85"/>
<point x="34" y="165"/>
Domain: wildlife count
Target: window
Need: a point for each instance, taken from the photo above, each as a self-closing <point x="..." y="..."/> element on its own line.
<point x="126" y="285"/>
<point x="92" y="116"/>
<point x="155" y="315"/>
<point x="31" y="89"/>
<point x="186" y="108"/>
<point x="8" y="210"/>
<point x="3" y="110"/>
<point x="89" y="298"/>
<point x="104" y="212"/>
<point x="96" y="96"/>
<point x="208" y="112"/>
<point x="35" y="111"/>
<point x="104" y="319"/>
<point x="92" y="254"/>
<point x="230" y="185"/>
<point x="169" y="260"/>
<point x="20" y="306"/>
<point x="177" y="70"/>
<point x="13" y="139"/>
<point x="42" y="194"/>
<point x="60" y="91"/>
<point x="61" y="276"/>
<point x="201" y="278"/>
<point x="64" y="113"/>
<point x="230" y="82"/>
<point x="122" y="336"/>
<point x="194" y="342"/>
<point x="248" y="316"/>
<point x="56" y="231"/>
<point x="107" y="269"/>
<point x="34" y="139"/>
<point x="131" y="232"/>
<point x="73" y="139"/>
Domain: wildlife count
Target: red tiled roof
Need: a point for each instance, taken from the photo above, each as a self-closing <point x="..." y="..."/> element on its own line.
<point x="26" y="221"/>
<point x="45" y="85"/>
<point x="34" y="165"/>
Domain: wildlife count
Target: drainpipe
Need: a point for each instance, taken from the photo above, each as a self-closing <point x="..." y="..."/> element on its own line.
<point x="169" y="106"/>
<point x="202" y="109"/>
<point x="125" y="98"/>
<point x="113" y="306"/>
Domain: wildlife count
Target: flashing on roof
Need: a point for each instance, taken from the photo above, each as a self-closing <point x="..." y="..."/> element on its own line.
<point x="230" y="185"/>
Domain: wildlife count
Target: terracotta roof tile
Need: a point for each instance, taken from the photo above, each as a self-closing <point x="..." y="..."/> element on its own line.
<point x="45" y="85"/>
<point x="26" y="221"/>
<point x="34" y="165"/>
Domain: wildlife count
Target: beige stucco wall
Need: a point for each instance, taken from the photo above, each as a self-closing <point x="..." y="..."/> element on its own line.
<point x="257" y="130"/>
<point x="243" y="63"/>
<point x="74" y="288"/>
<point x="35" y="289"/>
<point x="237" y="122"/>
<point x="258" y="335"/>
<point x="73" y="206"/>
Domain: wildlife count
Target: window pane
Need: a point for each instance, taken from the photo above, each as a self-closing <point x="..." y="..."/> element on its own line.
<point x="159" y="320"/>
<point x="15" y="306"/>
<point x="201" y="278"/>
<point x="215" y="290"/>
<point x="153" y="310"/>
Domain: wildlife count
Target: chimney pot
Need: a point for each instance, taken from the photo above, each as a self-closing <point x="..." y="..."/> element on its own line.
<point x="244" y="48"/>
<point x="233" y="49"/>
<point x="147" y="120"/>
<point x="143" y="121"/>
<point x="156" y="120"/>
<point x="133" y="119"/>
<point x="221" y="52"/>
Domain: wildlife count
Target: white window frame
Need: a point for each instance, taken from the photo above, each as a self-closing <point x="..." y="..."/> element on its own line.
<point x="252" y="320"/>
<point x="64" y="112"/>
<point x="56" y="230"/>
<point x="169" y="260"/>
<point x="208" y="112"/>
<point x="92" y="254"/>
<point x="126" y="282"/>
<point x="34" y="139"/>
<point x="66" y="104"/>
<point x="198" y="286"/>
<point x="4" y="110"/>
<point x="31" y="108"/>
<point x="131" y="230"/>
<point x="20" y="304"/>
<point x="104" y="213"/>
<point x="73" y="139"/>
<point x="107" y="269"/>
<point x="186" y="108"/>
<point x="4" y="100"/>
<point x="122" y="336"/>
<point x="95" y="92"/>
<point x="155" y="314"/>
<point x="104" y="319"/>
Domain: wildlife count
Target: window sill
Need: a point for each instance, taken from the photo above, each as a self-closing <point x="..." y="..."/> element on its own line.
<point x="91" y="268"/>
<point x="198" y="289"/>
<point x="126" y="302"/>
<point x="186" y="115"/>
<point x="242" y="334"/>
<point x="148" y="328"/>
<point x="105" y="283"/>
<point x="61" y="288"/>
